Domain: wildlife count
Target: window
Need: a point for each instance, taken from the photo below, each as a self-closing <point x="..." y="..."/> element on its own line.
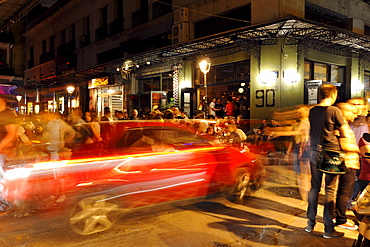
<point x="367" y="88"/>
<point x="337" y="73"/>
<point x="307" y="70"/>
<point x="32" y="57"/>
<point x="86" y="25"/>
<point x="156" y="84"/>
<point x="238" y="71"/>
<point x="214" y="25"/>
<point x="243" y="71"/>
<point x="320" y="72"/>
<point x="161" y="8"/>
<point x="43" y="47"/>
<point x="62" y="37"/>
<point x="119" y="9"/>
<point x="146" y="84"/>
<point x="324" y="72"/>
<point x="103" y="16"/>
<point x="367" y="80"/>
<point x="225" y="73"/>
<point x="157" y="139"/>
<point x="329" y="17"/>
<point x="51" y="43"/>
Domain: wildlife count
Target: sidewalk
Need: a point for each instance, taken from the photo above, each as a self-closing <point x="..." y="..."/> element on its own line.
<point x="282" y="182"/>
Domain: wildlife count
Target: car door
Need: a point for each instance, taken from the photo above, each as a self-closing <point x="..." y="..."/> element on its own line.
<point x="166" y="164"/>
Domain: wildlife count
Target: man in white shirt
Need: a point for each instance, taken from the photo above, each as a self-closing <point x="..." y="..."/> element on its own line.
<point x="211" y="108"/>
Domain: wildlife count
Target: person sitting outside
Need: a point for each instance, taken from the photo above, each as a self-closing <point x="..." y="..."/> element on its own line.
<point x="233" y="138"/>
<point x="134" y="115"/>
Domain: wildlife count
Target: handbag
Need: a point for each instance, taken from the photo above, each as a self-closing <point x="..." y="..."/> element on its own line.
<point x="332" y="162"/>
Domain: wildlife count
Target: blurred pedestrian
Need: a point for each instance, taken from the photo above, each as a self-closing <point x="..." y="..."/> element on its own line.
<point x="56" y="135"/>
<point x="7" y="132"/>
<point x="301" y="151"/>
<point x="352" y="162"/>
<point x="7" y="141"/>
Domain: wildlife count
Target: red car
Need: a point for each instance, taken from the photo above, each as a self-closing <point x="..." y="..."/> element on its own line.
<point x="145" y="163"/>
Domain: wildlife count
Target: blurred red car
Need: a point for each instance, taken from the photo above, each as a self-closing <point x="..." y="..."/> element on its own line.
<point x="145" y="163"/>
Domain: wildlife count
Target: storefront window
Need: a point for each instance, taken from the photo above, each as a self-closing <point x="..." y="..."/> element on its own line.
<point x="307" y="70"/>
<point x="315" y="72"/>
<point x="225" y="73"/>
<point x="367" y="88"/>
<point x="156" y="84"/>
<point x="146" y="84"/>
<point x="337" y="73"/>
<point x="243" y="70"/>
<point x="167" y="84"/>
<point x="320" y="72"/>
<point x="367" y="80"/>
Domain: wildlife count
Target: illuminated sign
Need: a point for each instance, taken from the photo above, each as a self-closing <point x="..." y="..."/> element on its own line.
<point x="99" y="82"/>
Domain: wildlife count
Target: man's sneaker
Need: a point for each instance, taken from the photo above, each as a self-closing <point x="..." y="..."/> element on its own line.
<point x="348" y="226"/>
<point x="333" y="234"/>
<point x="309" y="228"/>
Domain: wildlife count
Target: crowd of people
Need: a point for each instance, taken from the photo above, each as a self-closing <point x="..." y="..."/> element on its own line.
<point x="51" y="136"/>
<point x="337" y="129"/>
<point x="341" y="128"/>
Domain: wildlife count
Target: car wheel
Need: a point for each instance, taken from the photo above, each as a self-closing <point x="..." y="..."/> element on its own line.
<point x="240" y="190"/>
<point x="93" y="214"/>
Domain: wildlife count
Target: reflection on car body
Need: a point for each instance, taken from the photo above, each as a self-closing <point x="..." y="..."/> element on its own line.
<point x="147" y="163"/>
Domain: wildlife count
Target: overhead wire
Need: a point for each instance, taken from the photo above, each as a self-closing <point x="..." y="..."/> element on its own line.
<point x="204" y="13"/>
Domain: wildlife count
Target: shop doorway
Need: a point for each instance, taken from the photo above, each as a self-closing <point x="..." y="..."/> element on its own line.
<point x="188" y="96"/>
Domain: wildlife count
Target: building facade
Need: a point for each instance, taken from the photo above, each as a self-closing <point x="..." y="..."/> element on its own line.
<point x="126" y="54"/>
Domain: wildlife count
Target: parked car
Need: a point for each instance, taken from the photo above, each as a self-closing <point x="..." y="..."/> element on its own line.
<point x="143" y="163"/>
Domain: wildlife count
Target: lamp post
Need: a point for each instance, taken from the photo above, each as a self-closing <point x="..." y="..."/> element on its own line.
<point x="205" y="66"/>
<point x="19" y="98"/>
<point x="70" y="91"/>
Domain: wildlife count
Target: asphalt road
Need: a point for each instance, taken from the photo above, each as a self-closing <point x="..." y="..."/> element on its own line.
<point x="274" y="216"/>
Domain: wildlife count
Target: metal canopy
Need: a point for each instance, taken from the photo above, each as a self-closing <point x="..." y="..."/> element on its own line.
<point x="302" y="30"/>
<point x="12" y="11"/>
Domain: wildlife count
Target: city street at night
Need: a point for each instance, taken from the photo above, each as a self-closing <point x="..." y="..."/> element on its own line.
<point x="274" y="216"/>
<point x="184" y="123"/>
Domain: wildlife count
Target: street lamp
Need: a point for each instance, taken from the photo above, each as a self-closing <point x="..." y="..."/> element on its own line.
<point x="70" y="90"/>
<point x="19" y="98"/>
<point x="205" y="66"/>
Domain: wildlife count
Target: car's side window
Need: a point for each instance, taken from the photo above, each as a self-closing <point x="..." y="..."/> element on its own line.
<point x="179" y="138"/>
<point x="158" y="139"/>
